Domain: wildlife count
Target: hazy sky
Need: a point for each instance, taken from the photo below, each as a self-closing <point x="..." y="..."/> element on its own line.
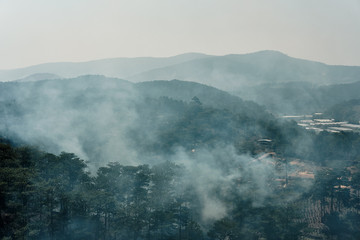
<point x="38" y="31"/>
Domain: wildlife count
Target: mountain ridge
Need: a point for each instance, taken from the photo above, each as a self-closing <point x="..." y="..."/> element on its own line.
<point x="107" y="66"/>
<point x="229" y="72"/>
<point x="236" y="70"/>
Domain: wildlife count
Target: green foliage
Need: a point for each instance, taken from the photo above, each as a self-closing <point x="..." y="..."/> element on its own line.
<point x="45" y="196"/>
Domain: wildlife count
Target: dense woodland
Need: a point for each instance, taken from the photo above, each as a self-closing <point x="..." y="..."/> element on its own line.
<point x="47" y="196"/>
<point x="203" y="169"/>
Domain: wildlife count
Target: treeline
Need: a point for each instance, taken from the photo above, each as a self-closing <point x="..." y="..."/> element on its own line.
<point x="45" y="196"/>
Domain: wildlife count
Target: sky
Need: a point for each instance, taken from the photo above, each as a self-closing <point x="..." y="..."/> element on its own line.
<point x="40" y="31"/>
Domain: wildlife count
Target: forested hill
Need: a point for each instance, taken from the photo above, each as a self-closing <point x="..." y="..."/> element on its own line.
<point x="98" y="117"/>
<point x="107" y="119"/>
<point x="113" y="160"/>
<point x="210" y="96"/>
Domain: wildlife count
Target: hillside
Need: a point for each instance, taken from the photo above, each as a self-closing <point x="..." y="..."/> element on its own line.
<point x="107" y="118"/>
<point x="210" y="96"/>
<point x="345" y="111"/>
<point x="101" y="118"/>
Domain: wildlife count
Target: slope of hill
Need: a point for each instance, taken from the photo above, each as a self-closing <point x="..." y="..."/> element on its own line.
<point x="210" y="96"/>
<point x="345" y="111"/>
<point x="107" y="118"/>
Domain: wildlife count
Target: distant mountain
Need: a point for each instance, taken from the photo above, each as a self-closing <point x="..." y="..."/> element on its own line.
<point x="115" y="67"/>
<point x="283" y="84"/>
<point x="235" y="71"/>
<point x="38" y="77"/>
<point x="229" y="72"/>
